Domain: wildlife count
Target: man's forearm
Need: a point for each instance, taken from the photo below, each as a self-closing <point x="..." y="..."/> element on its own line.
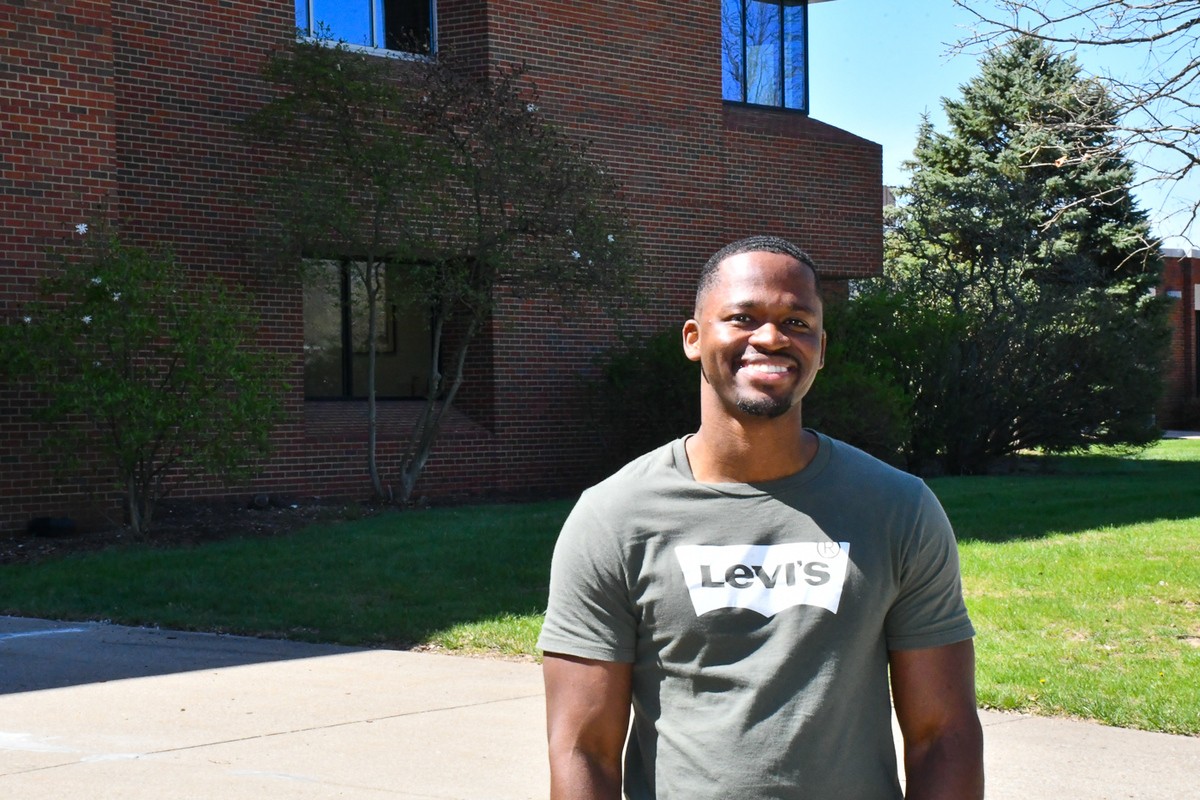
<point x="949" y="767"/>
<point x="576" y="776"/>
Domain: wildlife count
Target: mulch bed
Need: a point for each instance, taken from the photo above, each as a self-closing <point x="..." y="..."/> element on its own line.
<point x="179" y="523"/>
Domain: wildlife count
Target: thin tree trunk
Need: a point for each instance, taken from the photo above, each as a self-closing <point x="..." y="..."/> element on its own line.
<point x="372" y="281"/>
<point x="425" y="434"/>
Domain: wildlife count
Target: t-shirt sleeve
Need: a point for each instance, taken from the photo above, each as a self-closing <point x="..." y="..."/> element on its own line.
<point x="589" y="613"/>
<point x="929" y="610"/>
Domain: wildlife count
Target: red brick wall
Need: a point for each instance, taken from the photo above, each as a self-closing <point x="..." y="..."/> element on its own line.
<point x="136" y="103"/>
<point x="641" y="80"/>
<point x="808" y="181"/>
<point x="57" y="163"/>
<point x="1181" y="275"/>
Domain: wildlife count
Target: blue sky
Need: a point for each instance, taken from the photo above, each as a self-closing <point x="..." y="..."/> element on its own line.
<point x="876" y="65"/>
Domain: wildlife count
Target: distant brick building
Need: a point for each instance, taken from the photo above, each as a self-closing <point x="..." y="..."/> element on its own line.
<point x="700" y="108"/>
<point x="1180" y="407"/>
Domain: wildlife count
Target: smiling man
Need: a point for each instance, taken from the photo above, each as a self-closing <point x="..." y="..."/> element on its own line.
<point x="754" y="592"/>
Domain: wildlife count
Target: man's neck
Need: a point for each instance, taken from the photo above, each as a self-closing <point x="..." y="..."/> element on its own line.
<point x="752" y="451"/>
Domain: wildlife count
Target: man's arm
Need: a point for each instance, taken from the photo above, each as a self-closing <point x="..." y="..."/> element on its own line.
<point x="587" y="718"/>
<point x="934" y="694"/>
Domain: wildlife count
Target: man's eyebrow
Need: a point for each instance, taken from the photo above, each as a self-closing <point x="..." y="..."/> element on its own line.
<point x="750" y="305"/>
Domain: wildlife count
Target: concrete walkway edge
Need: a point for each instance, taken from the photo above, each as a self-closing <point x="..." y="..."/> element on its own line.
<point x="179" y="715"/>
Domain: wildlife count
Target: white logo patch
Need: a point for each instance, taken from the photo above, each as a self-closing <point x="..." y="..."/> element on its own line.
<point x="764" y="578"/>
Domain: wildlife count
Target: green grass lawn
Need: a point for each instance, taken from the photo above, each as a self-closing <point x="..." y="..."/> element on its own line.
<point x="1084" y="586"/>
<point x="1083" y="581"/>
<point x="465" y="578"/>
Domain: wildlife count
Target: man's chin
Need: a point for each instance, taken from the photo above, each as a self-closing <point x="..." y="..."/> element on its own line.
<point x="765" y="407"/>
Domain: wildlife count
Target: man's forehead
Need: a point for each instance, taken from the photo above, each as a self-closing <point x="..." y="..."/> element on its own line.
<point x="758" y="255"/>
<point x="761" y="266"/>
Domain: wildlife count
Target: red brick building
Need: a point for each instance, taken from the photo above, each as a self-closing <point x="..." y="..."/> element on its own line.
<point x="1180" y="406"/>
<point x="135" y="105"/>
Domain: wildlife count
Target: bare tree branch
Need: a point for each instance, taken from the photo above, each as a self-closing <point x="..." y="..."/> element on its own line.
<point x="1158" y="102"/>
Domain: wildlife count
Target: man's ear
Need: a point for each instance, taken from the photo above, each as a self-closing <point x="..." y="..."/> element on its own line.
<point x="824" y="340"/>
<point x="691" y="339"/>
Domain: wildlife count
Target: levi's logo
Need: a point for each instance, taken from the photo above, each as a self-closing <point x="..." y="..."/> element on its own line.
<point x="764" y="578"/>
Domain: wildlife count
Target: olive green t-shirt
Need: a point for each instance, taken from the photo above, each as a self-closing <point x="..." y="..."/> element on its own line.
<point x="758" y="619"/>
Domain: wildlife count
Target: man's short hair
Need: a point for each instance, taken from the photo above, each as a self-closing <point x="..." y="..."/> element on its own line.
<point x="752" y="244"/>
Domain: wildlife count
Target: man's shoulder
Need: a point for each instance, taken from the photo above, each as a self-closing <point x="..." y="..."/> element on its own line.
<point x="630" y="494"/>
<point x="846" y="460"/>
<point x="648" y="470"/>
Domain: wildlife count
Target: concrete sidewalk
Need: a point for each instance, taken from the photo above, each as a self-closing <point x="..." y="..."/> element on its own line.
<point x="260" y="719"/>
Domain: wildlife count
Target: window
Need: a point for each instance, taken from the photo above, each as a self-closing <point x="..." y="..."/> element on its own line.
<point x="764" y="53"/>
<point x="403" y="25"/>
<point x="336" y="345"/>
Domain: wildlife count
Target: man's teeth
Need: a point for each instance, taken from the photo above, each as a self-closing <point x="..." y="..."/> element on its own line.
<point x="768" y="368"/>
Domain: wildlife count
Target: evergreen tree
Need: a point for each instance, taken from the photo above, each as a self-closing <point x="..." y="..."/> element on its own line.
<point x="1036" y="260"/>
<point x="1157" y="94"/>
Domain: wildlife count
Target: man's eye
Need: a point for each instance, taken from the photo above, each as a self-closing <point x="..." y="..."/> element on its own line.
<point x="796" y="323"/>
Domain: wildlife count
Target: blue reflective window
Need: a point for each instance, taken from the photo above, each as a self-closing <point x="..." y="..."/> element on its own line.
<point x="404" y="25"/>
<point x="731" y="50"/>
<point x="795" y="56"/>
<point x="764" y="59"/>
<point x="347" y="22"/>
<point x="764" y="29"/>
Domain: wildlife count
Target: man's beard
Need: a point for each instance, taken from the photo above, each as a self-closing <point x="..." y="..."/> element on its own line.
<point x="767" y="407"/>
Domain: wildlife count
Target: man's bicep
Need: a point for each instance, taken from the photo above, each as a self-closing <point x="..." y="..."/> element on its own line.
<point x="587" y="702"/>
<point x="933" y="690"/>
<point x="932" y="686"/>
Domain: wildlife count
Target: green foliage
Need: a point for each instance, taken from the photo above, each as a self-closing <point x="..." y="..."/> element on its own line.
<point x="1029" y="268"/>
<point x="449" y="180"/>
<point x="151" y="370"/>
<point x="648" y="394"/>
<point x="855" y="398"/>
<point x="346" y="177"/>
<point x="648" y="391"/>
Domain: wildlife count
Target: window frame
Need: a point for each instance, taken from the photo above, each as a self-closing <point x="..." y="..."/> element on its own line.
<point x="781" y="63"/>
<point x="306" y="32"/>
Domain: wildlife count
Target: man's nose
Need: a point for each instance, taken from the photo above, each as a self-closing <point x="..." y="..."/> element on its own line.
<point x="768" y="336"/>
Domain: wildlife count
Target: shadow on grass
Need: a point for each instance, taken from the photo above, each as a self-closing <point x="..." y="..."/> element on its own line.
<point x="394" y="580"/>
<point x="1070" y="494"/>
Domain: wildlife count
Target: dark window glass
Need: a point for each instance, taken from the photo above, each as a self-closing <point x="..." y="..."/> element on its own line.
<point x="1196" y="328"/>
<point x="323" y="335"/>
<point x="336" y="344"/>
<point x="407" y="26"/>
<point x="764" y="52"/>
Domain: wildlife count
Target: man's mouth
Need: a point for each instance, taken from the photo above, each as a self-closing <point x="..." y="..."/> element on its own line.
<point x="764" y="368"/>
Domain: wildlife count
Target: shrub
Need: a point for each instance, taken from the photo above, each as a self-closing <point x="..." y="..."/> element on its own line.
<point x="155" y="373"/>
<point x="647" y="395"/>
<point x="860" y="396"/>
